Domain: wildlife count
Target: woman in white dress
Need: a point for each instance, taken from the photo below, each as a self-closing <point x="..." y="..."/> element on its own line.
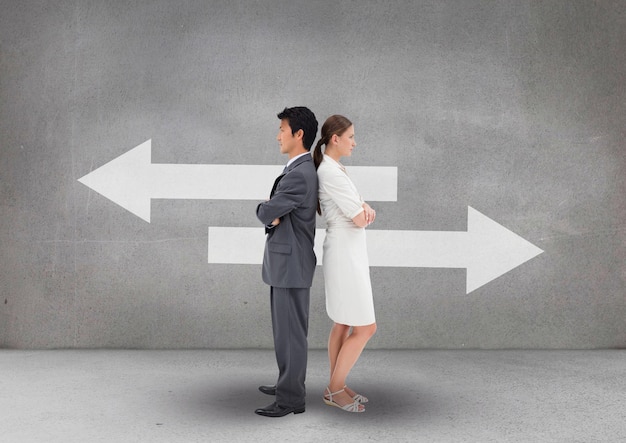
<point x="349" y="301"/>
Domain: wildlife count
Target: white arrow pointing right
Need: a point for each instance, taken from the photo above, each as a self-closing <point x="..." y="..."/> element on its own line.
<point x="487" y="249"/>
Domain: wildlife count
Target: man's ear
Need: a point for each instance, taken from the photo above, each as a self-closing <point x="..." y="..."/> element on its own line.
<point x="299" y="134"/>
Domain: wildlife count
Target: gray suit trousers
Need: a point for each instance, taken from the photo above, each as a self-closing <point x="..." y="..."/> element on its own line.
<point x="290" y="324"/>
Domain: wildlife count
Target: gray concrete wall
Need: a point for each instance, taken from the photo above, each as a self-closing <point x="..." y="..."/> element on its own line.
<point x="515" y="108"/>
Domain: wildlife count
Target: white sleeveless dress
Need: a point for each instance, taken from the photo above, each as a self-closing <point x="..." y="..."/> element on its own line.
<point x="347" y="283"/>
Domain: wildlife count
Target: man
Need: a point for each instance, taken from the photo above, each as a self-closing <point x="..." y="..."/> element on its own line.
<point x="289" y="261"/>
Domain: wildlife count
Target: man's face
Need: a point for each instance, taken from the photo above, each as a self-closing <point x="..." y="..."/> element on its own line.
<point x="288" y="142"/>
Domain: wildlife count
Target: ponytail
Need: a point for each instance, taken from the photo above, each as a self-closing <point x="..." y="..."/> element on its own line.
<point x="317" y="154"/>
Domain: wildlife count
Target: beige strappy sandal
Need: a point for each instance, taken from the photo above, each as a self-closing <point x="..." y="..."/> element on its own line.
<point x="355" y="406"/>
<point x="358" y="397"/>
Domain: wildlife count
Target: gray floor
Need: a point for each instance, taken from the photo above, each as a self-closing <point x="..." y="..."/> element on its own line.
<point x="423" y="396"/>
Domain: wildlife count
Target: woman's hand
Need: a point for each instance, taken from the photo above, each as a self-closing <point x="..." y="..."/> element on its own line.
<point x="365" y="217"/>
<point x="370" y="214"/>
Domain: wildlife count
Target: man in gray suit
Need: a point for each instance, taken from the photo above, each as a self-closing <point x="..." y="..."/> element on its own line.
<point x="289" y="261"/>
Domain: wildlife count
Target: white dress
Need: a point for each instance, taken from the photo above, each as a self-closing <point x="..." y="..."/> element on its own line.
<point x="349" y="298"/>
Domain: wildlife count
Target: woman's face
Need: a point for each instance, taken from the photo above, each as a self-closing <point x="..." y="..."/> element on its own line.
<point x="345" y="142"/>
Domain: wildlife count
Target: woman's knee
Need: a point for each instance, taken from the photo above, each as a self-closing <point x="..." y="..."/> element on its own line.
<point x="339" y="328"/>
<point x="372" y="329"/>
<point x="368" y="330"/>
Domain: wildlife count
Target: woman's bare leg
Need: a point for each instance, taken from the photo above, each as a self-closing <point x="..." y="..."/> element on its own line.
<point x="338" y="335"/>
<point x="350" y="349"/>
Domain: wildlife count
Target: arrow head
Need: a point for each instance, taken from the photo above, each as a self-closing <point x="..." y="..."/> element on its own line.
<point x="496" y="250"/>
<point x="125" y="180"/>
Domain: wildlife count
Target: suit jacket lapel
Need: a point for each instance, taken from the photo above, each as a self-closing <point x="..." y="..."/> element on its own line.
<point x="288" y="169"/>
<point x="299" y="161"/>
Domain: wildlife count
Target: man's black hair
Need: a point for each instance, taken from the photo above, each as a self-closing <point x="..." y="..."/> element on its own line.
<point x="300" y="117"/>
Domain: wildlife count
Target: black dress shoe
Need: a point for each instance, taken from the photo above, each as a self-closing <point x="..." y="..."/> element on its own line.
<point x="269" y="390"/>
<point x="274" y="410"/>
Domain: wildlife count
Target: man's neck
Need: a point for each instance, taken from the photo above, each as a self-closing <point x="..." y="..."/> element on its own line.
<point x="296" y="152"/>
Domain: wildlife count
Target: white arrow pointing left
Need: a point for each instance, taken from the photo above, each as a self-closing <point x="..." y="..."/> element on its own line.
<point x="132" y="180"/>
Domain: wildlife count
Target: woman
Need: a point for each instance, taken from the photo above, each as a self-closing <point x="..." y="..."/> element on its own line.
<point x="349" y="301"/>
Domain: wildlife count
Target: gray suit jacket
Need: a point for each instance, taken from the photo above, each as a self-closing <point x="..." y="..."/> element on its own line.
<point x="289" y="260"/>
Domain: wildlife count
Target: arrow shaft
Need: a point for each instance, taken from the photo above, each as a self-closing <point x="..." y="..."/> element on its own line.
<point x="424" y="249"/>
<point x="219" y="182"/>
<point x="251" y="182"/>
<point x="420" y="249"/>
